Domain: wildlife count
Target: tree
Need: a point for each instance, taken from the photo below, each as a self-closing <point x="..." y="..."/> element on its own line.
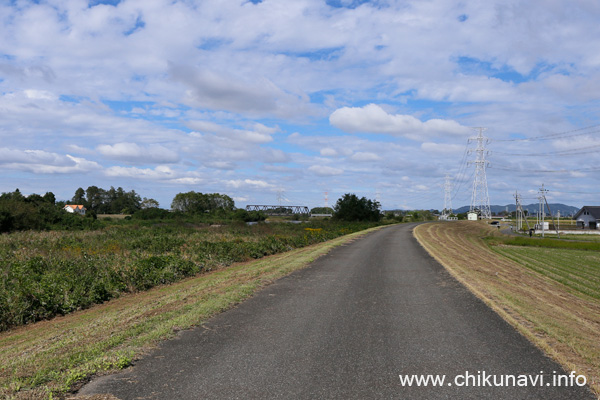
<point x="219" y="201"/>
<point x="350" y="208"/>
<point x="185" y="202"/>
<point x="79" y="197"/>
<point x="50" y="198"/>
<point x="148" y="203"/>
<point x="321" y="210"/>
<point x="95" y="197"/>
<point x="196" y="203"/>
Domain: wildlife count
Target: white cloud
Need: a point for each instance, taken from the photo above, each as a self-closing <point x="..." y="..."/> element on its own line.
<point x="227" y="165"/>
<point x="43" y="162"/>
<point x="261" y="134"/>
<point x="324" y="170"/>
<point x="257" y="96"/>
<point x="374" y="119"/>
<point x="39" y="94"/>
<point x="362" y="156"/>
<point x="134" y="153"/>
<point x="127" y="83"/>
<point x="328" y="152"/>
<point x="187" y="181"/>
<point x="443" y="148"/>
<point x="161" y="172"/>
<point x="249" y="184"/>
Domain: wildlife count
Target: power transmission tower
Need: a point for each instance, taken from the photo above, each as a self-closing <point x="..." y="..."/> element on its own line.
<point x="447" y="211"/>
<point x="480" y="199"/>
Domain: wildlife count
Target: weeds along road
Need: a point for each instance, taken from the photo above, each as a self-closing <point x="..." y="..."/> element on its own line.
<point x="346" y="328"/>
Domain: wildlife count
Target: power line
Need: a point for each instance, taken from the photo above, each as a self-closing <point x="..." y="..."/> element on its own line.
<point x="551" y="171"/>
<point x="571" y="133"/>
<point x="460" y="175"/>
<point x="462" y="183"/>
<point x="581" y="150"/>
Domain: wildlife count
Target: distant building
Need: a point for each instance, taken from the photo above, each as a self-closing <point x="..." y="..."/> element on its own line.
<point x="75" y="209"/>
<point x="588" y="217"/>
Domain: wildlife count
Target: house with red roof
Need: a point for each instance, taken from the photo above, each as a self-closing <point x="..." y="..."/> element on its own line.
<point x="75" y="209"/>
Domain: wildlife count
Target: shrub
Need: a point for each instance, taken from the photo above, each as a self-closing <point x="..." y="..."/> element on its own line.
<point x="44" y="274"/>
<point x="350" y="208"/>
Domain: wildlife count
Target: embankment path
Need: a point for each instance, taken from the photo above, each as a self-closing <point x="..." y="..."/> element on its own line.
<point x="346" y="328"/>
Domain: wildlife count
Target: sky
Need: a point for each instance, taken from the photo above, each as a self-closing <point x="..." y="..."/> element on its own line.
<point x="299" y="102"/>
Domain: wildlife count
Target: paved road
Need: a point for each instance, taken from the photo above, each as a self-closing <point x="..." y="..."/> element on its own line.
<point x="346" y="328"/>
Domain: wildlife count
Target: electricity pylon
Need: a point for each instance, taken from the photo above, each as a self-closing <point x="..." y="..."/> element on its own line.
<point x="447" y="211"/>
<point x="480" y="199"/>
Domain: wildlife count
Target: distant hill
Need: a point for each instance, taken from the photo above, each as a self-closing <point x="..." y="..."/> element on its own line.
<point x="564" y="209"/>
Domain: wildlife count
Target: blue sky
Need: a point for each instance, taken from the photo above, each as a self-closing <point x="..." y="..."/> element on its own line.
<point x="256" y="98"/>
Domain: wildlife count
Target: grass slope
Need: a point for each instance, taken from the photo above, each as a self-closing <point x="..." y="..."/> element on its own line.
<point x="50" y="358"/>
<point x="549" y="294"/>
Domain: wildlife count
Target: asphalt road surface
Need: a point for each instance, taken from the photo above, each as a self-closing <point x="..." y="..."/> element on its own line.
<point x="346" y="328"/>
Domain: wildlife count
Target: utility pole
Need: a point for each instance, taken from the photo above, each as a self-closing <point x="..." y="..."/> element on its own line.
<point x="517" y="212"/>
<point x="545" y="201"/>
<point x="479" y="197"/>
<point x="520" y="213"/>
<point x="542" y="198"/>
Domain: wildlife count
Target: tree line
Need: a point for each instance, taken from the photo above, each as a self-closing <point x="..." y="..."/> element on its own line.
<point x="37" y="212"/>
<point x="19" y="212"/>
<point x="111" y="201"/>
<point x="44" y="212"/>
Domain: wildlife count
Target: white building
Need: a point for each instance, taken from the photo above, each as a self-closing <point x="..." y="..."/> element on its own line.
<point x="472" y="216"/>
<point x="588" y="217"/>
<point x="75" y="209"/>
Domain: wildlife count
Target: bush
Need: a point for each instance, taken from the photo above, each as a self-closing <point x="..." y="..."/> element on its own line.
<point x="152" y="213"/>
<point x="44" y="274"/>
<point x="350" y="208"/>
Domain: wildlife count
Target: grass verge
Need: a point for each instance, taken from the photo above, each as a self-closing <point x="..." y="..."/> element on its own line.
<point x="561" y="319"/>
<point x="51" y="358"/>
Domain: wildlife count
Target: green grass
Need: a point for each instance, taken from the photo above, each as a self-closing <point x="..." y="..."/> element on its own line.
<point x="578" y="270"/>
<point x="550" y="243"/>
<point x="575" y="264"/>
<point x="579" y="238"/>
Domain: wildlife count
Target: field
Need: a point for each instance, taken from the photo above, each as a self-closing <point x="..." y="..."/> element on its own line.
<point x="548" y="289"/>
<point x="51" y="357"/>
<point x="44" y="274"/>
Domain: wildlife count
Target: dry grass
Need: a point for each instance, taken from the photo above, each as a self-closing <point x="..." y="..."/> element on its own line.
<point x="53" y="357"/>
<point x="564" y="324"/>
<point x="113" y="216"/>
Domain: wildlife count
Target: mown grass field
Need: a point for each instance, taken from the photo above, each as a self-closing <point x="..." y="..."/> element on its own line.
<point x="577" y="270"/>
<point x="548" y="289"/>
<point x="50" y="358"/>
